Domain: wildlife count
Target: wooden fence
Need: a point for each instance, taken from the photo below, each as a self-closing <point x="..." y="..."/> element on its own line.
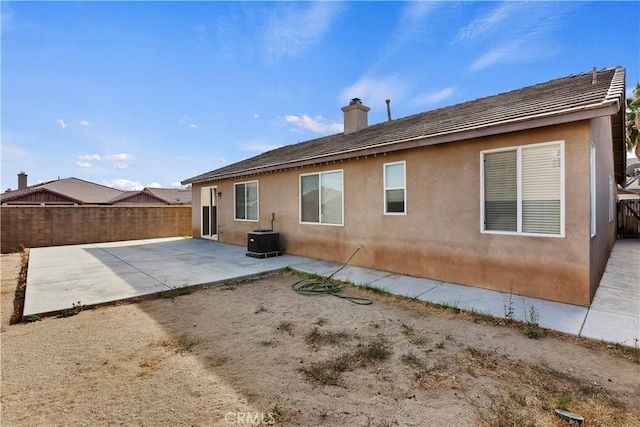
<point x="629" y="218"/>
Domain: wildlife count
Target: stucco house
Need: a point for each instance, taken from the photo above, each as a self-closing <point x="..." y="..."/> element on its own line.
<point x="513" y="192"/>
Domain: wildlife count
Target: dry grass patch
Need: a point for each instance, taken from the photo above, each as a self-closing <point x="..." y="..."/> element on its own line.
<point x="317" y="338"/>
<point x="329" y="372"/>
<point x="411" y="335"/>
<point x="533" y="392"/>
<point x="148" y="365"/>
<point x="631" y="351"/>
<point x="180" y="344"/>
<point x="431" y="374"/>
<point x="18" y="299"/>
<point x="285" y="326"/>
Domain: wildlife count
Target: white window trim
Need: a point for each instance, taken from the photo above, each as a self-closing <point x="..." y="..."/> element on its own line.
<point x="593" y="217"/>
<point x="385" y="188"/>
<point x="320" y="201"/>
<point x="518" y="149"/>
<point x="612" y="198"/>
<point x="245" y="205"/>
<point x="212" y="193"/>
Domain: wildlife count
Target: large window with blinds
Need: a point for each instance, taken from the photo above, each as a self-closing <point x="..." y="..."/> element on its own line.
<point x="523" y="190"/>
<point x="246" y="201"/>
<point x="321" y="198"/>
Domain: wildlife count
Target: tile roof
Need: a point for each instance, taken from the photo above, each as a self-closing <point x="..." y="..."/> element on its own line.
<point x="78" y="191"/>
<point x="74" y="189"/>
<point x="557" y="97"/>
<point x="173" y="196"/>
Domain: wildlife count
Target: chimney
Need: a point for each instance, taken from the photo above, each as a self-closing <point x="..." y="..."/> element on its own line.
<point x="22" y="181"/>
<point x="355" y="116"/>
<point x="594" y="76"/>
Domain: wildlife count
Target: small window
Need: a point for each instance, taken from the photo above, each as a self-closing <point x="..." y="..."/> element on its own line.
<point x="246" y="201"/>
<point x="394" y="188"/>
<point x="321" y="198"/>
<point x="522" y="190"/>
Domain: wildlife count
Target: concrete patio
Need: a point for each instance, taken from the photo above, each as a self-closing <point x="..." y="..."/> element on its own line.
<point x="101" y="273"/>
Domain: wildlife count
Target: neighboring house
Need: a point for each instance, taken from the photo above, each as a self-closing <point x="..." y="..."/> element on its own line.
<point x="514" y="192"/>
<point x="74" y="191"/>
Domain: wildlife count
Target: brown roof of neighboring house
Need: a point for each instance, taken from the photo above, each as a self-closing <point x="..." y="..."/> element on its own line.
<point x="78" y="191"/>
<point x="532" y="106"/>
<point x="173" y="196"/>
<point x="74" y="189"/>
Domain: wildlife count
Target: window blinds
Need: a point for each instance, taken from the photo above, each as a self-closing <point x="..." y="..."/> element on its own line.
<point x="522" y="189"/>
<point x="501" y="191"/>
<point x="541" y="189"/>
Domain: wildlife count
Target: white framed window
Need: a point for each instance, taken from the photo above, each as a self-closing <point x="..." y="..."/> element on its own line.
<point x="322" y="198"/>
<point x="592" y="187"/>
<point x="245" y="197"/>
<point x="522" y="190"/>
<point x="395" y="188"/>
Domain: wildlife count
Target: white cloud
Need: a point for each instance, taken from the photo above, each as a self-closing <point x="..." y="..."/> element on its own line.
<point x="229" y="35"/>
<point x="374" y="91"/>
<point x="256" y="115"/>
<point x="434" y="97"/>
<point x="298" y="27"/>
<point x="61" y="123"/>
<point x="315" y="124"/>
<point x="256" y="146"/>
<point x="119" y="157"/>
<point x="188" y="121"/>
<point x="480" y="27"/>
<point x="510" y="52"/>
<point x="410" y="27"/>
<point x="177" y="184"/>
<point x="154" y="185"/>
<point x="84" y="123"/>
<point x="84" y="160"/>
<point x="89" y="157"/>
<point x="123" y="184"/>
<point x="119" y="160"/>
<point x="532" y="39"/>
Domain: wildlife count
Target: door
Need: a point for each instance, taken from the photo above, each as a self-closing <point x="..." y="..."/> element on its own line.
<point x="209" y="213"/>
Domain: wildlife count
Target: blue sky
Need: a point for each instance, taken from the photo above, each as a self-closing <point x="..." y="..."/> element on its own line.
<point x="133" y="94"/>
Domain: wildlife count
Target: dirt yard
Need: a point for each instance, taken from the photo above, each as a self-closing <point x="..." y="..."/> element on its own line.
<point x="257" y="352"/>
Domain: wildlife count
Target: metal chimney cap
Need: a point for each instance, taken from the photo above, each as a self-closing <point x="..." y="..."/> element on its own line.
<point x="355" y="101"/>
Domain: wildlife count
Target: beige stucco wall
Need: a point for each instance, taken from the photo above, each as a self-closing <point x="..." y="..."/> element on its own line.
<point x="440" y="236"/>
<point x="602" y="243"/>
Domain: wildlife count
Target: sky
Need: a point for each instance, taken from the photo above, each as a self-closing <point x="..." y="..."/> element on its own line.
<point x="135" y="94"/>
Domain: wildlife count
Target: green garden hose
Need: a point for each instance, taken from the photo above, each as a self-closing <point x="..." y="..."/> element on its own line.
<point x="323" y="286"/>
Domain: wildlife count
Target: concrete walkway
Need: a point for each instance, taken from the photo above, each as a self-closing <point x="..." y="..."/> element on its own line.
<point x="100" y="273"/>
